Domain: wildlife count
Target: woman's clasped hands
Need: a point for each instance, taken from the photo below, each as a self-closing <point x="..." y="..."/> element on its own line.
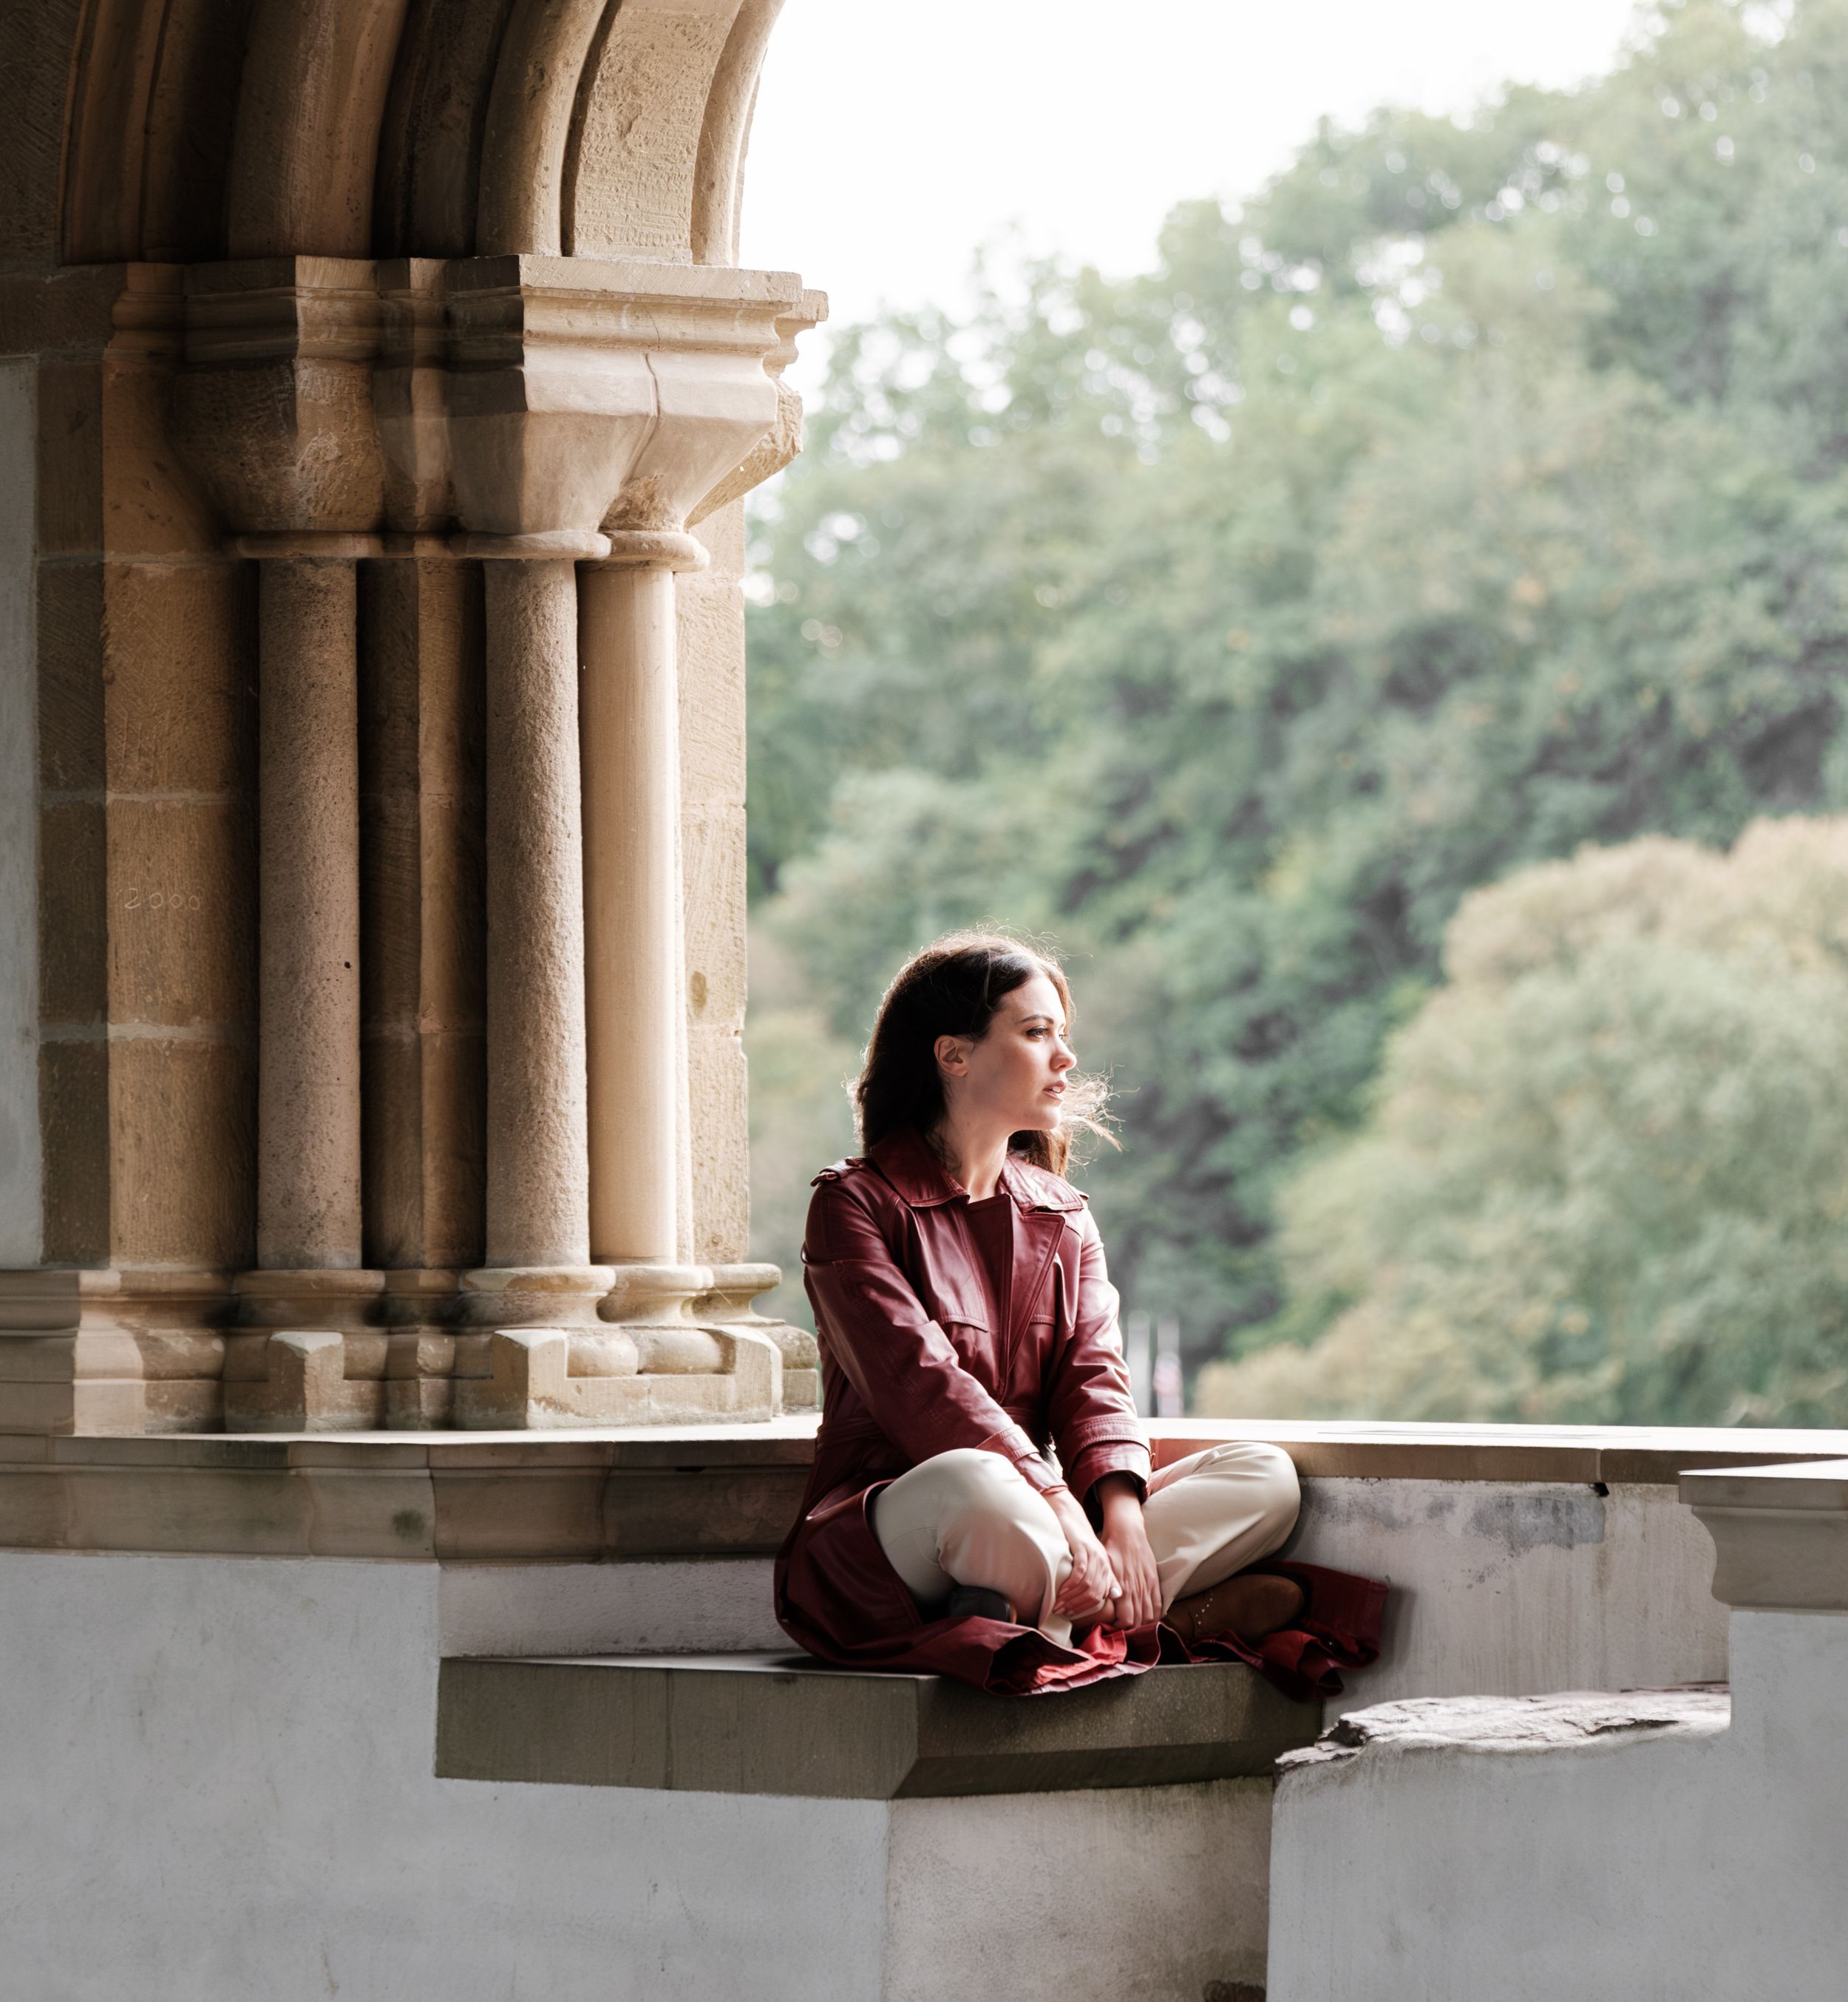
<point x="1113" y="1579"/>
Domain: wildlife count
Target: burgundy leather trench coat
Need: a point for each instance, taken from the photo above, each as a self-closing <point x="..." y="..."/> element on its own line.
<point x="912" y="1367"/>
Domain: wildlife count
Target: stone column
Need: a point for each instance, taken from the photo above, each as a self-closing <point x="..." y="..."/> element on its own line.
<point x="585" y="420"/>
<point x="422" y="940"/>
<point x="308" y="1145"/>
<point x="538" y="1292"/>
<point x="636" y="1001"/>
<point x="309" y="1279"/>
<point x="538" y="1168"/>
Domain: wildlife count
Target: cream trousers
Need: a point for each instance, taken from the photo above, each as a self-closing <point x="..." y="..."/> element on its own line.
<point x="969" y="1518"/>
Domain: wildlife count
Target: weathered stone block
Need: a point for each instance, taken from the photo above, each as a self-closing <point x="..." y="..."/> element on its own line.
<point x="181" y="654"/>
<point x="73" y="913"/>
<point x="184" y="1115"/>
<point x="1097" y="1844"/>
<point x="181" y="934"/>
<point x="305" y="1388"/>
<point x="74" y="1127"/>
<point x="71" y="677"/>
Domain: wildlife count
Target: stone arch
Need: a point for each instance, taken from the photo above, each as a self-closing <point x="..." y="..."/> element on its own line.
<point x="305" y="145"/>
<point x="430" y="152"/>
<point x="398" y="127"/>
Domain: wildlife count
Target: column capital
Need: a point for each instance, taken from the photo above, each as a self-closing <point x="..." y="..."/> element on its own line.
<point x="780" y="445"/>
<point x="274" y="407"/>
<point x="583" y="395"/>
<point x="530" y="405"/>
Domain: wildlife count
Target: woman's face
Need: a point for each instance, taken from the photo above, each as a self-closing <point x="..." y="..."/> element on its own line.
<point x="1012" y="1080"/>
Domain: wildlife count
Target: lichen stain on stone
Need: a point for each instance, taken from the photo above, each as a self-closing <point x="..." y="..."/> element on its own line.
<point x="1527" y="1522"/>
<point x="409" y="1524"/>
<point x="1325" y="1504"/>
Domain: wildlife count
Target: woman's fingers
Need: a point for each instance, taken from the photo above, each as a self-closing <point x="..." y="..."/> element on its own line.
<point x="1090" y="1583"/>
<point x="1135" y="1607"/>
<point x="1136" y="1598"/>
<point x="1077" y="1596"/>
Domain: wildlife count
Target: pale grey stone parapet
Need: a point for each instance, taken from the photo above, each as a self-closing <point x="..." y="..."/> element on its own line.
<point x="1382" y="1449"/>
<point x="1522" y="1560"/>
<point x="260" y="1713"/>
<point x="1652" y="1843"/>
<point x="1781" y="1533"/>
<point x="771" y="1723"/>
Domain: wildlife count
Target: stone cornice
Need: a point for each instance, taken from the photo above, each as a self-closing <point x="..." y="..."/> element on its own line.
<point x="1781" y="1533"/>
<point x="669" y="1491"/>
<point x="500" y="306"/>
<point x="275" y="309"/>
<point x="511" y="397"/>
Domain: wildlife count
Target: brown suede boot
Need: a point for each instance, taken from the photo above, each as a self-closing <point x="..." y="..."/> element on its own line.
<point x="1249" y="1606"/>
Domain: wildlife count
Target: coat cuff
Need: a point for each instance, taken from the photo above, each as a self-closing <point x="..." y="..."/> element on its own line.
<point x="1019" y="1449"/>
<point x="1129" y="1456"/>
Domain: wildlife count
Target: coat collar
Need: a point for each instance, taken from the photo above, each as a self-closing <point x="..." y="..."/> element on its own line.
<point x="921" y="1180"/>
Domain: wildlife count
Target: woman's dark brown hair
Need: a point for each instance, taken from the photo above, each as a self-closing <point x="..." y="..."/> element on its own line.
<point x="953" y="989"/>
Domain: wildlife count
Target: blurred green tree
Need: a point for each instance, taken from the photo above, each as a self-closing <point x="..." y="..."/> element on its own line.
<point x="1476" y="492"/>
<point x="1606" y="1174"/>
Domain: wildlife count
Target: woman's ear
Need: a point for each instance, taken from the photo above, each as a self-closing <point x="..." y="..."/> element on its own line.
<point x="952" y="1055"/>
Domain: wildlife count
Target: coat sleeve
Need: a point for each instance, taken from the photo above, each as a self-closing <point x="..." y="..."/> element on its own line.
<point x="1091" y="1407"/>
<point x="901" y="1361"/>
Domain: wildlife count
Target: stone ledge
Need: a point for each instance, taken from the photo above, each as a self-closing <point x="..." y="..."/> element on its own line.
<point x="617" y="1493"/>
<point x="482" y="1498"/>
<point x="1781" y="1533"/>
<point x="786" y="1441"/>
<point x="1619" y="1455"/>
<point x="1574" y="1720"/>
<point x="784" y="1724"/>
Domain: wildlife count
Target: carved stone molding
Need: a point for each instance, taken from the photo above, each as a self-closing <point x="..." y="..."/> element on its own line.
<point x="512" y="397"/>
<point x="274" y="408"/>
<point x="780" y="445"/>
<point x="585" y="395"/>
<point x="1780" y="1533"/>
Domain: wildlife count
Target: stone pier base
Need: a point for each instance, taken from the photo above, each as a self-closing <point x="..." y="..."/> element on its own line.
<point x="275" y="1723"/>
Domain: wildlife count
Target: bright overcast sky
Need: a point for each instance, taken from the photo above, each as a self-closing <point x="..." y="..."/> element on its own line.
<point x="891" y="140"/>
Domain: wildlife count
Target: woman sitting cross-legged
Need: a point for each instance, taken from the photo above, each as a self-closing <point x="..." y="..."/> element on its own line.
<point x="967" y="1324"/>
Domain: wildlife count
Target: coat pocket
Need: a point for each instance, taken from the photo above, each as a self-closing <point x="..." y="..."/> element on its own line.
<point x="974" y="1347"/>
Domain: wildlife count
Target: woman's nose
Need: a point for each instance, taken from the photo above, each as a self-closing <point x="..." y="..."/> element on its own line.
<point x="1062" y="1057"/>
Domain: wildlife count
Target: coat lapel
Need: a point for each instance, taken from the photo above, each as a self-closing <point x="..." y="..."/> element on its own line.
<point x="1039" y="1225"/>
<point x="1036" y="1215"/>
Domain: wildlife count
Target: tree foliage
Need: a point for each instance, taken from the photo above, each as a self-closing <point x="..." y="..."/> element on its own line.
<point x="1474" y="493"/>
<point x="1607" y="1173"/>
